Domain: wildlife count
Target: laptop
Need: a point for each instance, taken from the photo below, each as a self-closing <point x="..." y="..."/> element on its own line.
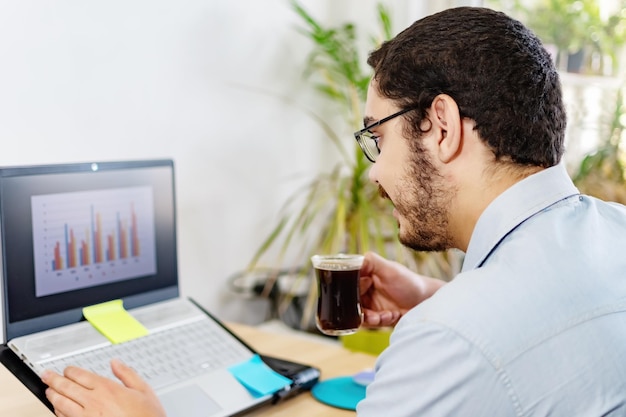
<point x="81" y="234"/>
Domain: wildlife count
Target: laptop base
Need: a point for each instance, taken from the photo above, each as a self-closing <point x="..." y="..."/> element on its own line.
<point x="24" y="374"/>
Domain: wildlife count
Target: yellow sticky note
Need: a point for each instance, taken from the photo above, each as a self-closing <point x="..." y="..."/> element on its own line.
<point x="114" y="322"/>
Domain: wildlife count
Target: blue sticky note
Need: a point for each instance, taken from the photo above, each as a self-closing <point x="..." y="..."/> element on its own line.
<point x="258" y="378"/>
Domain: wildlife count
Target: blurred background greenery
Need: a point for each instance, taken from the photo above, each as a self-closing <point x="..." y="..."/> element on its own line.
<point x="339" y="211"/>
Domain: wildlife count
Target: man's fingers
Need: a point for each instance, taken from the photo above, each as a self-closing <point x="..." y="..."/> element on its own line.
<point x="128" y="376"/>
<point x="63" y="406"/>
<point x="64" y="386"/>
<point x="368" y="263"/>
<point x="371" y="318"/>
<point x="81" y="376"/>
<point x="380" y="318"/>
<point x="373" y="263"/>
<point x="364" y="284"/>
<point x="72" y="391"/>
<point x="389" y="318"/>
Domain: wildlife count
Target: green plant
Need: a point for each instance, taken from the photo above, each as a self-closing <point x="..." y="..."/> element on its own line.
<point x="574" y="26"/>
<point x="340" y="211"/>
<point x="602" y="173"/>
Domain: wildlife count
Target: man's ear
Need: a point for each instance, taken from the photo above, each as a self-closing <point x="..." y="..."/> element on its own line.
<point x="446" y="121"/>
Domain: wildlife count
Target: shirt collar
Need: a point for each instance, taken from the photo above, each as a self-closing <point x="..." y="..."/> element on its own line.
<point x="515" y="205"/>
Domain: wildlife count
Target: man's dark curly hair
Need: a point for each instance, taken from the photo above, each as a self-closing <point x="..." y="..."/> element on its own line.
<point x="495" y="69"/>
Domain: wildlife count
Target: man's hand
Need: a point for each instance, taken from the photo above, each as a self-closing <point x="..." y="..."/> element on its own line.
<point x="80" y="393"/>
<point x="389" y="290"/>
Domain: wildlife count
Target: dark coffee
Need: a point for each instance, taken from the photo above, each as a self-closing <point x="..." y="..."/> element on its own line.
<point x="338" y="306"/>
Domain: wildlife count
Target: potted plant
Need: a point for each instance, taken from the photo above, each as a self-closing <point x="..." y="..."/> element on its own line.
<point x="339" y="210"/>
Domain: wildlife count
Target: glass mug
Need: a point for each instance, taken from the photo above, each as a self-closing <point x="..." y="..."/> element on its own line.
<point x="338" y="299"/>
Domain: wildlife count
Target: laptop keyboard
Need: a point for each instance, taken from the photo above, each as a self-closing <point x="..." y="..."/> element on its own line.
<point x="164" y="357"/>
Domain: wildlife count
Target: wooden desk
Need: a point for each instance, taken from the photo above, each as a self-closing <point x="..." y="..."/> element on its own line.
<point x="17" y="401"/>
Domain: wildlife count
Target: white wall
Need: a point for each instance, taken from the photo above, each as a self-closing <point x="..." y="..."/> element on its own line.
<point x="87" y="80"/>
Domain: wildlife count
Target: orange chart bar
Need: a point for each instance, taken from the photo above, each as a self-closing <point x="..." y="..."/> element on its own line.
<point x="57" y="263"/>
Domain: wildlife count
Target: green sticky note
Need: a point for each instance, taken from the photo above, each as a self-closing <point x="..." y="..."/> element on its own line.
<point x="114" y="322"/>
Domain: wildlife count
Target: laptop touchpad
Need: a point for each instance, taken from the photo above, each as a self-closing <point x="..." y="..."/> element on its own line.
<point x="188" y="401"/>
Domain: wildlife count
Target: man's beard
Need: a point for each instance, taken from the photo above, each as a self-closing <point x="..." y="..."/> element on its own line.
<point x="423" y="201"/>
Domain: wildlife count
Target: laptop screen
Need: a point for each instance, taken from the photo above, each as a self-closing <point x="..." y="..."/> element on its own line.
<point x="79" y="234"/>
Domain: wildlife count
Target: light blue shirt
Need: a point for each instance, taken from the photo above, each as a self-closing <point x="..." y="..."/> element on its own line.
<point x="534" y="325"/>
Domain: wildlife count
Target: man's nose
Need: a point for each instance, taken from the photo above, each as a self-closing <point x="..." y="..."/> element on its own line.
<point x="372" y="174"/>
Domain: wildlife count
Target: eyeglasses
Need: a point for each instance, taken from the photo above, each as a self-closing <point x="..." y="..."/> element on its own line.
<point x="368" y="141"/>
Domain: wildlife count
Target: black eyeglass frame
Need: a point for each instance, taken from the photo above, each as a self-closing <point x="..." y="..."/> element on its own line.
<point x="359" y="135"/>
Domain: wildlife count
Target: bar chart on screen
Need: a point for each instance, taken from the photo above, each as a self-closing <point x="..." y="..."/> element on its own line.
<point x="84" y="239"/>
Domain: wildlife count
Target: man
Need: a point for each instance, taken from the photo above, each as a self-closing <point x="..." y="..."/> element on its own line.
<point x="465" y="124"/>
<point x="535" y="324"/>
